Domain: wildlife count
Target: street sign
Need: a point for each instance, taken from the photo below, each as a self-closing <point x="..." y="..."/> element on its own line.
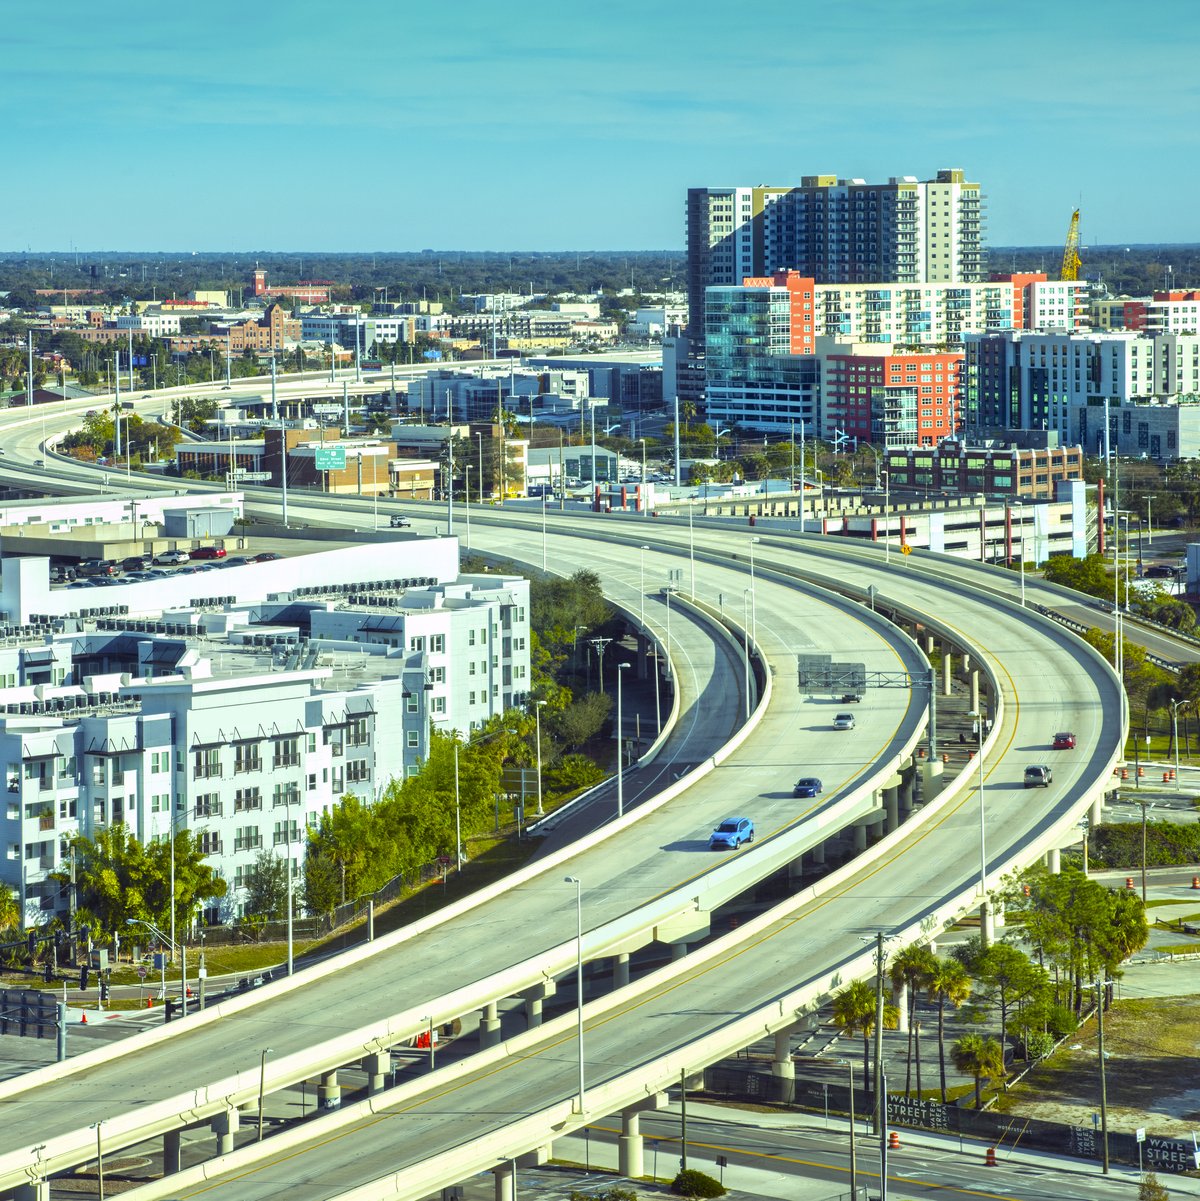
<point x="252" y="475"/>
<point x="327" y="410"/>
<point x="906" y="550"/>
<point x="141" y="971"/>
<point x="330" y="458"/>
<point x="1140" y="1134"/>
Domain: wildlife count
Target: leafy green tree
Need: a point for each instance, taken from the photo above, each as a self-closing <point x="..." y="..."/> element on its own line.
<point x="266" y="885"/>
<point x="1088" y="575"/>
<point x="979" y="1057"/>
<point x="854" y="1010"/>
<point x="1007" y="978"/>
<point x="948" y="981"/>
<point x="10" y="909"/>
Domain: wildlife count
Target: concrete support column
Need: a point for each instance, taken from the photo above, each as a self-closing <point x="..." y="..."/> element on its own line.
<point x="860" y="838"/>
<point x="678" y="951"/>
<point x="489" y="1026"/>
<point x="975" y="691"/>
<point x="329" y="1095"/>
<point x="505" y="1182"/>
<point x="818" y="854"/>
<point x="931" y="779"/>
<point x="533" y="1007"/>
<point x="630" y="1147"/>
<point x="781" y="1061"/>
<point x="225" y="1127"/>
<point x="172" y="1143"/>
<point x="904" y="794"/>
<point x="891" y="805"/>
<point x="1053" y="860"/>
<point x="987" y="927"/>
<point x="35" y="1190"/>
<point x="1096" y="812"/>
<point x="947" y="671"/>
<point x="900" y="1000"/>
<point x="966" y="662"/>
<point x="620" y="976"/>
<point x="376" y="1068"/>
<point x="930" y="644"/>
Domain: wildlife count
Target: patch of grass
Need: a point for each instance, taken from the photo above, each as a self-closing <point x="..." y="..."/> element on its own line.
<point x="1180" y="948"/>
<point x="1160" y="904"/>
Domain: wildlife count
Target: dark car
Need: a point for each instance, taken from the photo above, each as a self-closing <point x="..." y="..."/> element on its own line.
<point x="1039" y="775"/>
<point x="1159" y="571"/>
<point x="265" y="556"/>
<point x="136" y="563"/>
<point x="807" y="786"/>
<point x="208" y="552"/>
<point x="94" y="568"/>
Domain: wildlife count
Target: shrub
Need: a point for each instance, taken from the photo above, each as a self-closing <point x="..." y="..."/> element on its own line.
<point x="691" y="1183"/>
<point x="1038" y="1045"/>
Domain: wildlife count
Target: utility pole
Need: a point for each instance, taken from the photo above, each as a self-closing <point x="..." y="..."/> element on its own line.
<point x="880" y="1103"/>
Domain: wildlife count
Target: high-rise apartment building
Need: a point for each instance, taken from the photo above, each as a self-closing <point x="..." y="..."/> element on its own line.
<point x="834" y="231"/>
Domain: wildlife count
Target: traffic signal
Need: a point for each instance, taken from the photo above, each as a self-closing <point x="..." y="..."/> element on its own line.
<point x="103" y="991"/>
<point x="31" y="940"/>
<point x="48" y="972"/>
<point x="83" y="978"/>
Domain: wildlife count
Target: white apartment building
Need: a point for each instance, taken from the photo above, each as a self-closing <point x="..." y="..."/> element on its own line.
<point x="245" y="722"/>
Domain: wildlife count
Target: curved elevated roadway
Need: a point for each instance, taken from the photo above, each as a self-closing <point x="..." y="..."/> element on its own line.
<point x="1023" y="654"/>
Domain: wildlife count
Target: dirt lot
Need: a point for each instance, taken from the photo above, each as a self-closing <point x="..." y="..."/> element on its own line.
<point x="1150" y="1052"/>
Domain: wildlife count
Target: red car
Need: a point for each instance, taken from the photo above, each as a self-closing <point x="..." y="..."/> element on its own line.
<point x="1064" y="741"/>
<point x="208" y="552"/>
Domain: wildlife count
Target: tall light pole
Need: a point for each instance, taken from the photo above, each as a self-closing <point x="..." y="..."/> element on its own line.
<point x="467" y="500"/>
<point x="537" y="717"/>
<point x="1175" y="707"/>
<point x="887" y="517"/>
<point x="753" y="594"/>
<point x="458" y="852"/>
<point x="642" y="584"/>
<point x="99" y="1163"/>
<point x="692" y="549"/>
<point x="746" y="646"/>
<point x="643" y="442"/>
<point x="543" y="533"/>
<point x="262" y="1080"/>
<point x="978" y="719"/>
<point x="578" y="978"/>
<point x="598" y="645"/>
<point x="1101" y="987"/>
<point x="620" y="745"/>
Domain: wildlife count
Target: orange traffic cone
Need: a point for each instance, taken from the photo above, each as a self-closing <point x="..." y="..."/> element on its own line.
<point x="990" y="1161"/>
<point x="83" y="1018"/>
<point x="149" y="1002"/>
<point x="894" y="1141"/>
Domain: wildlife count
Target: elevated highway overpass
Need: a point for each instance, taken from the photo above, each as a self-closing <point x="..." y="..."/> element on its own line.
<point x="1019" y="651"/>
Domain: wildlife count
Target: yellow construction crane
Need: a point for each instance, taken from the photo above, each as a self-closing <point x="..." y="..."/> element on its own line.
<point x="1071" y="263"/>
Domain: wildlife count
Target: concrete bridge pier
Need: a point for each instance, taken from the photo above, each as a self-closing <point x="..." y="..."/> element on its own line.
<point x="35" y="1190"/>
<point x="620" y="970"/>
<point x="1096" y="812"/>
<point x="630" y="1144"/>
<point x="818" y="855"/>
<point x="905" y="789"/>
<point x="947" y="672"/>
<point x="931" y="779"/>
<point x="1054" y="860"/>
<point x="376" y="1067"/>
<point x="505" y="1176"/>
<point x="975" y="691"/>
<point x="891" y="805"/>
<point x="329" y="1094"/>
<point x="489" y="1026"/>
<point x="225" y="1127"/>
<point x="987" y="926"/>
<point x="172" y="1146"/>
<point x="533" y="1002"/>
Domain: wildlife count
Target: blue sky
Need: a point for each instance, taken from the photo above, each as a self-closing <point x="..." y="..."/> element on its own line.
<point x="534" y="124"/>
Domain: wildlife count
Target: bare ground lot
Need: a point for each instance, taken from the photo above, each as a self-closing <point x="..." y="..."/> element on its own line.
<point x="1151" y="1048"/>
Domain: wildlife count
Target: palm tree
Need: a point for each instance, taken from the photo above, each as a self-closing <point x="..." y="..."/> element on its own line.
<point x="911" y="970"/>
<point x="10" y="909"/>
<point x="854" y="1012"/>
<point x="979" y="1057"/>
<point x="948" y="981"/>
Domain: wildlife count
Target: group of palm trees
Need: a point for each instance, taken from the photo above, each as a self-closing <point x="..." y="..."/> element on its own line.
<point x="916" y="970"/>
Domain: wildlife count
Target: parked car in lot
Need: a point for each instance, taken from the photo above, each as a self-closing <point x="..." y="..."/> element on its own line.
<point x="136" y="563"/>
<point x="1159" y="571"/>
<point x="170" y="558"/>
<point x="1064" y="741"/>
<point x="843" y="721"/>
<point x="94" y="568"/>
<point x="1038" y="775"/>
<point x="265" y="556"/>
<point x="731" y="833"/>
<point x="807" y="786"/>
<point x="399" y="523"/>
<point x="208" y="552"/>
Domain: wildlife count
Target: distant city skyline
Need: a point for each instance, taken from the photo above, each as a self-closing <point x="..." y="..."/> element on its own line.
<point x="542" y="126"/>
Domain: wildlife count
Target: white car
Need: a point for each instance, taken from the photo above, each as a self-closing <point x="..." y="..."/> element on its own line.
<point x="843" y="721"/>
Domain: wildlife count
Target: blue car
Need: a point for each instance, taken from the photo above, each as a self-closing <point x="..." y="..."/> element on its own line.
<point x="807" y="786"/>
<point x="731" y="833"/>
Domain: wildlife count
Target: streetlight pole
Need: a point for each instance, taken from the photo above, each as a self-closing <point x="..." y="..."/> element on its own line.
<point x="537" y="717"/>
<point x="262" y="1080"/>
<point x="643" y="442"/>
<point x="753" y="595"/>
<point x="598" y="645"/>
<point x="1175" y="706"/>
<point x="620" y="745"/>
<point x="543" y="533"/>
<point x="642" y="584"/>
<point x="978" y="718"/>
<point x="1101" y="987"/>
<point x="458" y="855"/>
<point x="746" y="646"/>
<point x="578" y="978"/>
<point x="887" y="516"/>
<point x="99" y="1163"/>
